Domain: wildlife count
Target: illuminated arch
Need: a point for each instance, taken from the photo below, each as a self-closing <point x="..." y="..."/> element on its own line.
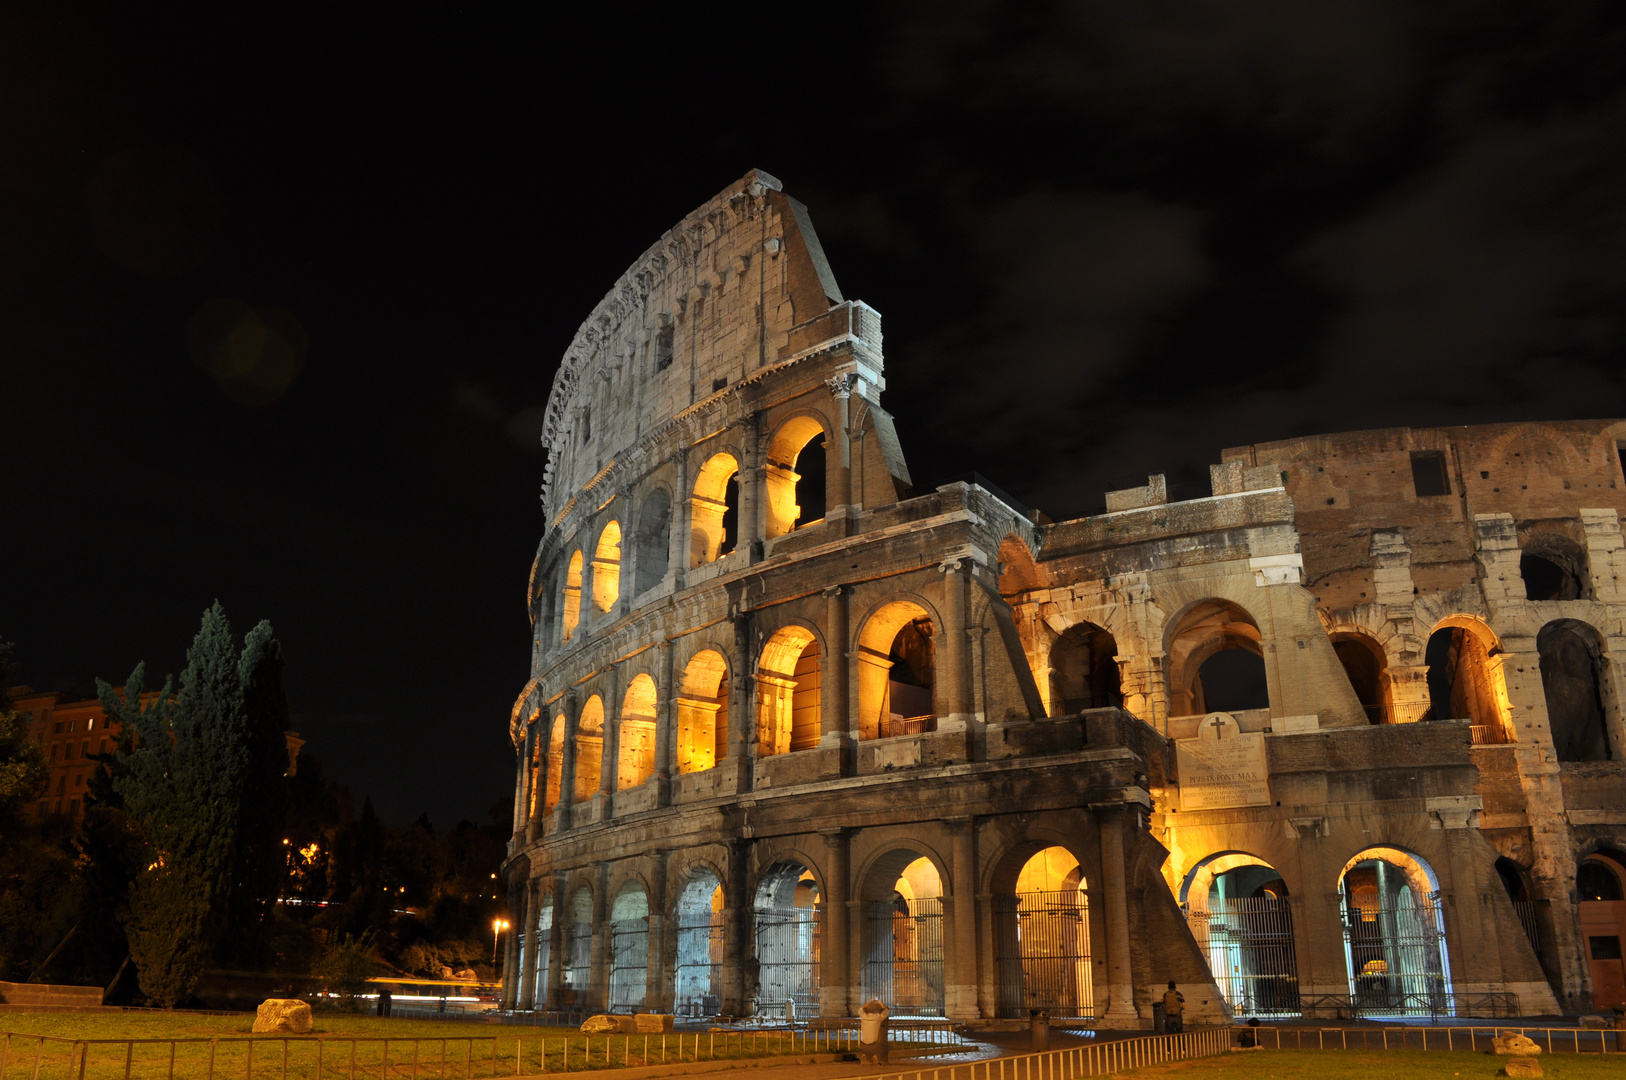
<point x="637" y="751"/>
<point x="794" y="437"/>
<point x="573" y="596"/>
<point x="629" y="948"/>
<point x="1465" y="677"/>
<point x="896" y="699"/>
<point x="788" y="695"/>
<point x="702" y="712"/>
<point x="1241" y="917"/>
<point x="589" y="749"/>
<point x="1394" y="933"/>
<point x="607" y="567"/>
<point x="714" y="510"/>
<point x="556" y="762"/>
<point x="1042" y="937"/>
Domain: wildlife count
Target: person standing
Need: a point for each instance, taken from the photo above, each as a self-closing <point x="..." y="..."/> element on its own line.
<point x="1174" y="1007"/>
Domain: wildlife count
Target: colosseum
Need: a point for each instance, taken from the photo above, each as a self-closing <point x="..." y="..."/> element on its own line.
<point x="1343" y="737"/>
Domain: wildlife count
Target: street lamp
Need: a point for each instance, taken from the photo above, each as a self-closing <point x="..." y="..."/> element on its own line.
<point x="497" y="927"/>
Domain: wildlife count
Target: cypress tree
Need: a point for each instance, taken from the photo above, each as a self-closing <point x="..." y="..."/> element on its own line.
<point x="186" y="765"/>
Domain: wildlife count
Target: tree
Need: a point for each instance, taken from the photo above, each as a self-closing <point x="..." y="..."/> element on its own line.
<point x="189" y="761"/>
<point x="23" y="769"/>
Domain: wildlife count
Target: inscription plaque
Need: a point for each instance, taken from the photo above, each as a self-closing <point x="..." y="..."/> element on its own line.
<point x="1222" y="766"/>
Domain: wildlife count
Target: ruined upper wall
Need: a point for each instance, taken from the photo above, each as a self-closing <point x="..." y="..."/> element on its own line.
<point x="1345" y="487"/>
<point x="730" y="289"/>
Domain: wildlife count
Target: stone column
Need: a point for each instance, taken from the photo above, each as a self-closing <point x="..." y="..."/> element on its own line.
<point x="838" y="484"/>
<point x="665" y="723"/>
<point x="510" y="952"/>
<point x="834" y="963"/>
<point x="752" y="502"/>
<point x="538" y="771"/>
<point x="736" y="929"/>
<point x="658" y="980"/>
<point x="519" y="798"/>
<point x="742" y="712"/>
<point x="953" y="696"/>
<point x="1473" y="945"/>
<point x="610" y="756"/>
<point x="598" y="979"/>
<point x="557" y="943"/>
<point x="678" y="542"/>
<point x="567" y="769"/>
<point x="834" y="721"/>
<point x="527" y="971"/>
<point x="1112" y="821"/>
<point x="961" y="991"/>
<point x="586" y="611"/>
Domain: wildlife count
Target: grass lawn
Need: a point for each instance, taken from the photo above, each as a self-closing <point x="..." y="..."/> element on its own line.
<point x="345" y="1047"/>
<point x="1388" y="1064"/>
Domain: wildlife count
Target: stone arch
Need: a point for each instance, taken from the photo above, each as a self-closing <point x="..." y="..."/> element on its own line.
<point x="1084" y="670"/>
<point x="1600" y="889"/>
<point x="629" y="946"/>
<point x="788" y="691"/>
<point x="1465" y="680"/>
<point x="589" y="749"/>
<point x="900" y="891"/>
<point x="607" y="567"/>
<point x="1554" y="567"/>
<point x="702" y="711"/>
<point x="525" y="710"/>
<point x="1366" y="666"/>
<point x="1018" y="572"/>
<point x="699" y="911"/>
<point x="652" y="543"/>
<point x="556" y="762"/>
<point x="636" y="761"/>
<point x="1041" y="921"/>
<point x="577" y="967"/>
<point x="1201" y="631"/>
<point x="1239" y="912"/>
<point x="792" y="499"/>
<point x="1575" y="681"/>
<point x="714" y="510"/>
<point x="572" y="606"/>
<point x="1394" y="933"/>
<point x="896" y="660"/>
<point x="542" y="933"/>
<point x="786" y="915"/>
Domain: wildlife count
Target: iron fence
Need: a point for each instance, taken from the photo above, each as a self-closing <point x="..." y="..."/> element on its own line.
<point x="1095" y="1059"/>
<point x="1489" y="1005"/>
<point x="1464" y="1038"/>
<point x="903" y="963"/>
<point x="1526" y="911"/>
<point x="1042" y="954"/>
<point x="698" y="972"/>
<point x="1396" y="956"/>
<point x="1248" y="943"/>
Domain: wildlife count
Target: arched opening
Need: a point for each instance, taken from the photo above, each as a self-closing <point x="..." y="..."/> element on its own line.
<point x="607" y="567"/>
<point x="637" y="756"/>
<point x="788" y="692"/>
<point x="1518" y="892"/>
<point x="1462" y="684"/>
<point x="702" y="712"/>
<point x="1600" y="886"/>
<point x="1215" y="662"/>
<point x="629" y="948"/>
<point x="1084" y="670"/>
<point x="793" y="476"/>
<point x="544" y="949"/>
<point x="1553" y="567"/>
<point x="556" y="762"/>
<point x="895" y="672"/>
<point x="1572" y="678"/>
<point x="698" y="980"/>
<point x="573" y="596"/>
<point x="1242" y="920"/>
<point x="578" y="967"/>
<point x="903" y="934"/>
<point x="1394" y="935"/>
<point x="786" y="921"/>
<point x="1042" y="939"/>
<point x="652" y="548"/>
<point x="1365" y="663"/>
<point x="714" y="511"/>
<point x="589" y="749"/>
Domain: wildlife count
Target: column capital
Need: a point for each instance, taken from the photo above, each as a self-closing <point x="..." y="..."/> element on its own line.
<point x="842" y="386"/>
<point x="833" y="592"/>
<point x="951" y="565"/>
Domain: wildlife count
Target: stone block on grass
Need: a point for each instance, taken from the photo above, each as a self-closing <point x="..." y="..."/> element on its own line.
<point x="283" y="1016"/>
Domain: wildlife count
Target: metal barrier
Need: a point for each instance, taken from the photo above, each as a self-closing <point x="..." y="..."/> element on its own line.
<point x="1095" y="1059"/>
<point x="312" y="1057"/>
<point x="1432" y="1005"/>
<point x="1552" y="1040"/>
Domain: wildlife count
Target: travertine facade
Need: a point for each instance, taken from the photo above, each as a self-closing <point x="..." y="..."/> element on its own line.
<point x="796" y="732"/>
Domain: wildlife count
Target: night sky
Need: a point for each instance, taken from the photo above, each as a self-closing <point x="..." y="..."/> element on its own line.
<point x="282" y="289"/>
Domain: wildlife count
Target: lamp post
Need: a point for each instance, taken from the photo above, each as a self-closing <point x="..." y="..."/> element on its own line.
<point x="497" y="927"/>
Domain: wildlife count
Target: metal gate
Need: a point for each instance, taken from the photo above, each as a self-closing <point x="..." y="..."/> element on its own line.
<point x="629" y="963"/>
<point x="579" y="968"/>
<point x="1248" y="942"/>
<point x="1396" y="955"/>
<point x="903" y="955"/>
<point x="1042" y="954"/>
<point x="787" y="953"/>
<point x="699" y="965"/>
